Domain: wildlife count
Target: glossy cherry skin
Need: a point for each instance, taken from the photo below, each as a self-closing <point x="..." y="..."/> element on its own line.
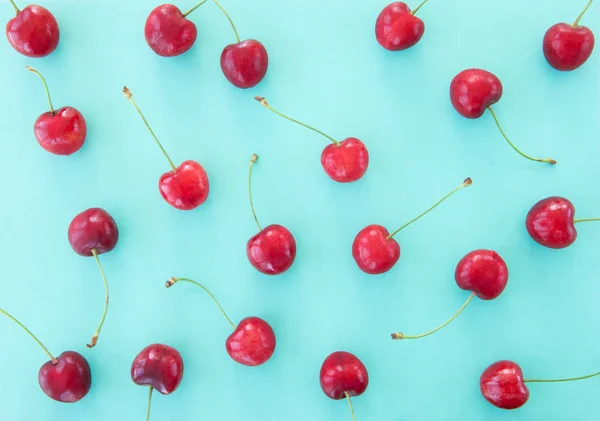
<point x="252" y="343"/>
<point x="69" y="380"/>
<point x="397" y="28"/>
<point x="159" y="366"/>
<point x="62" y="132"/>
<point x="272" y="251"/>
<point x="550" y="222"/>
<point x="373" y="252"/>
<point x="346" y="162"/>
<point x="186" y="188"/>
<point x="472" y="91"/>
<point x="567" y="47"/>
<point x="343" y="372"/>
<point x="33" y="32"/>
<point x="245" y="64"/>
<point x="502" y="385"/>
<point x="93" y="228"/>
<point x="168" y="32"/>
<point x="482" y="272"/>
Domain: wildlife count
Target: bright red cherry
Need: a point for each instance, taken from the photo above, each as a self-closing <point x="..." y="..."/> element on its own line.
<point x="62" y="131"/>
<point x="566" y="47"/>
<point x="33" y="32"/>
<point x="342" y="376"/>
<point x="397" y="28"/>
<point x="344" y="161"/>
<point x="374" y="249"/>
<point x="473" y="91"/>
<point x="185" y="187"/>
<point x="91" y="233"/>
<point x="252" y="342"/>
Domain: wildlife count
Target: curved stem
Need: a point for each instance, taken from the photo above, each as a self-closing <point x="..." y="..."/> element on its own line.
<point x="547" y="160"/>
<point x="399" y="335"/>
<point x="149" y="403"/>
<point x="45" y="87"/>
<point x="128" y="95"/>
<point x="563" y="380"/>
<point x="17" y="10"/>
<point x="576" y="221"/>
<point x="237" y="37"/>
<point x="419" y="6"/>
<point x="194" y="8"/>
<point x="351" y="407"/>
<point x="94" y="340"/>
<point x="172" y="281"/>
<point x="252" y="161"/>
<point x="576" y="23"/>
<point x="464" y="184"/>
<point x="54" y="360"/>
<point x="265" y="104"/>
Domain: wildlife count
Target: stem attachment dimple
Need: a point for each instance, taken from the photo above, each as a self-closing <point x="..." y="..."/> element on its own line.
<point x="576" y="221"/>
<point x="464" y="184"/>
<point x="52" y="112"/>
<point x="589" y="376"/>
<point x="576" y="23"/>
<point x="194" y="8"/>
<point x="129" y="96"/>
<point x="149" y="403"/>
<point x="54" y="360"/>
<point x="94" y="340"/>
<point x="419" y="6"/>
<point x="350" y="404"/>
<point x="237" y="37"/>
<point x="17" y="10"/>
<point x="253" y="159"/>
<point x="265" y="104"/>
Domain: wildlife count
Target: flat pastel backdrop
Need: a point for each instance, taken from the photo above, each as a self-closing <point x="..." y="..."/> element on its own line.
<point x="327" y="69"/>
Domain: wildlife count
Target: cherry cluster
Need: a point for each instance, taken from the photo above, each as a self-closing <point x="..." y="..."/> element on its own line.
<point x="34" y="32"/>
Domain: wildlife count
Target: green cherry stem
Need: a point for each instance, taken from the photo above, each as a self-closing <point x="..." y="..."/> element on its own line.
<point x="400" y="335"/>
<point x="94" y="340"/>
<point x="350" y="404"/>
<point x="237" y="37"/>
<point x="54" y="360"/>
<point x="464" y="184"/>
<point x="194" y="8"/>
<point x="173" y="281"/>
<point x="129" y="96"/>
<point x="149" y="403"/>
<point x="576" y="23"/>
<point x="265" y="104"/>
<point x="563" y="380"/>
<point x="17" y="10"/>
<point x="45" y="87"/>
<point x="252" y="161"/>
<point x="576" y="221"/>
<point x="418" y="7"/>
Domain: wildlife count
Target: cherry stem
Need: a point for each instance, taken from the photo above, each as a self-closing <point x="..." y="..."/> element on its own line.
<point x="350" y="404"/>
<point x="400" y="335"/>
<point x="576" y="221"/>
<point x="45" y="87"/>
<point x="94" y="340"/>
<point x="464" y="184"/>
<point x="149" y="403"/>
<point x="54" y="360"/>
<point x="547" y="160"/>
<point x="128" y="95"/>
<point x="265" y="104"/>
<point x="576" y="23"/>
<point x="252" y="161"/>
<point x="418" y="7"/>
<point x="173" y="281"/>
<point x="194" y="8"/>
<point x="17" y="10"/>
<point x="229" y="19"/>
<point x="563" y="380"/>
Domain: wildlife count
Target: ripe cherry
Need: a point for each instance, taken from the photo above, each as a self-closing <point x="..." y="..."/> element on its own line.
<point x="252" y="342"/>
<point x="398" y="28"/>
<point x="374" y="249"/>
<point x="33" y="32"/>
<point x="185" y="187"/>
<point x="344" y="161"/>
<point x="473" y="91"/>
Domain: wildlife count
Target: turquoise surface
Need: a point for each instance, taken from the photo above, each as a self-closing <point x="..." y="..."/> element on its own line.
<point x="327" y="69"/>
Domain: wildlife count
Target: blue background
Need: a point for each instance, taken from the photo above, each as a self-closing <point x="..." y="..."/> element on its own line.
<point x="327" y="69"/>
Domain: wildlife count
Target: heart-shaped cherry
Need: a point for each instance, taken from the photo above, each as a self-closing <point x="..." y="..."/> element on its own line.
<point x="91" y="233"/>
<point x="252" y="342"/>
<point x="185" y="187"/>
<point x="344" y="161"/>
<point x="168" y="32"/>
<point x="374" y="248"/>
<point x="33" y="32"/>
<point x="473" y="91"/>
<point x="273" y="250"/>
<point x="502" y="384"/>
<point x="397" y="28"/>
<point x="550" y="222"/>
<point x="62" y="131"/>
<point x="483" y="272"/>
<point x="342" y="376"/>
<point x="566" y="47"/>
<point x="160" y="367"/>
<point x="65" y="379"/>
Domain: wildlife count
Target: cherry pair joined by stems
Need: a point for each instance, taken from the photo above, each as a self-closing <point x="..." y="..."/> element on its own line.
<point x="398" y="28"/>
<point x="374" y="249"/>
<point x="344" y="161"/>
<point x="252" y="342"/>
<point x="185" y="187"/>
<point x="33" y="32"/>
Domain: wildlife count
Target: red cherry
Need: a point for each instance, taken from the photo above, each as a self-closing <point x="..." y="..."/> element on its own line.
<point x="397" y="28"/>
<point x="185" y="187"/>
<point x="245" y="63"/>
<point x="344" y="161"/>
<point x="374" y="249"/>
<point x="503" y="386"/>
<point x="33" y="32"/>
<point x="62" y="131"/>
<point x="342" y="376"/>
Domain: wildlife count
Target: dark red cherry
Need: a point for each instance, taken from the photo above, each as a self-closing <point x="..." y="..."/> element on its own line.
<point x="245" y="63"/>
<point x="473" y="91"/>
<point x="95" y="229"/>
<point x="347" y="161"/>
<point x="159" y="366"/>
<point x="68" y="379"/>
<point x="168" y="32"/>
<point x="397" y="28"/>
<point x="550" y="222"/>
<point x="503" y="386"/>
<point x="252" y="343"/>
<point x="186" y="188"/>
<point x="341" y="373"/>
<point x="373" y="252"/>
<point x="33" y="32"/>
<point x="482" y="272"/>
<point x="273" y="250"/>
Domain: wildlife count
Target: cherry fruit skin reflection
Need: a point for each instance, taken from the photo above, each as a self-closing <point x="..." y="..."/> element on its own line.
<point x="68" y="380"/>
<point x="33" y="32"/>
